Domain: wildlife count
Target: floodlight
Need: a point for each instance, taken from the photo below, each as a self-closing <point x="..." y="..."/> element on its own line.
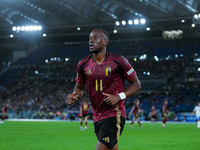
<point x="36" y="72"/>
<point x="148" y="29"/>
<point x="31" y="28"/>
<point x="18" y="28"/>
<point x="117" y="23"/>
<point x="196" y="16"/>
<point x="142" y="21"/>
<point x="123" y="22"/>
<point x="14" y="28"/>
<point x="136" y="21"/>
<point x="22" y="28"/>
<point x="27" y="28"/>
<point x="35" y="28"/>
<point x="39" y="27"/>
<point x="130" y="22"/>
<point x="156" y="58"/>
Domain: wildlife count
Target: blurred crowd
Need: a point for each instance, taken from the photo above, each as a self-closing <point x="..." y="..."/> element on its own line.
<point x="33" y="93"/>
<point x="37" y="95"/>
<point x="42" y="88"/>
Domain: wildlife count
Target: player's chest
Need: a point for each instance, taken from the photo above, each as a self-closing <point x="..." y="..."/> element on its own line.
<point x="106" y="70"/>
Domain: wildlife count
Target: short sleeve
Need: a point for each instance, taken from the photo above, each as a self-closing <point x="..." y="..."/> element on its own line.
<point x="129" y="72"/>
<point x="195" y="109"/>
<point x="80" y="74"/>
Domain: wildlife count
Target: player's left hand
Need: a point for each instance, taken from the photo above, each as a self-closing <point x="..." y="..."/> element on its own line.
<point x="111" y="99"/>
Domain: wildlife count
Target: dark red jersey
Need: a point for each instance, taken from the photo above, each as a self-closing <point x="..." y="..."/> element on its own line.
<point x="153" y="112"/>
<point x="5" y="108"/>
<point x="136" y="109"/>
<point x="85" y="108"/>
<point x="164" y="108"/>
<point x="107" y="77"/>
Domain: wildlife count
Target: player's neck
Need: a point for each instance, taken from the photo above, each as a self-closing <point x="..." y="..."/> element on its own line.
<point x="100" y="57"/>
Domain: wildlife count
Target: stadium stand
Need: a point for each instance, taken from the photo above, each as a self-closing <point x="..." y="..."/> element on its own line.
<point x="34" y="86"/>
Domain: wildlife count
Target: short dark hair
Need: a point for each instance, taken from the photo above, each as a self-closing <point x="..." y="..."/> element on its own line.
<point x="104" y="31"/>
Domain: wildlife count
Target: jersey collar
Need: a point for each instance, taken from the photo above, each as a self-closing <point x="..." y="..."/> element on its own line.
<point x="107" y="54"/>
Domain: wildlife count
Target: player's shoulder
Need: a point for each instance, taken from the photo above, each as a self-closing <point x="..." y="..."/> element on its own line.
<point x="85" y="59"/>
<point x="117" y="57"/>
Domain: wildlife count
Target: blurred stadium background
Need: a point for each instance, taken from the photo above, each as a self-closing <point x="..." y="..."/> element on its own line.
<point x="41" y="43"/>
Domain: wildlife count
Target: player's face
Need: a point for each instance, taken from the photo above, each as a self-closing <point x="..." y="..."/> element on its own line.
<point x="96" y="41"/>
<point x="153" y="107"/>
<point x="199" y="104"/>
<point x="166" y="102"/>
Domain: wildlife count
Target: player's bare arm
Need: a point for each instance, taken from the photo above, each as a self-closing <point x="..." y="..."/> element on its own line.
<point x="3" y="111"/>
<point x="78" y="92"/>
<point x="133" y="88"/>
<point x="80" y="111"/>
<point x="141" y="110"/>
<point x="192" y="113"/>
<point x="11" y="107"/>
<point x="132" y="110"/>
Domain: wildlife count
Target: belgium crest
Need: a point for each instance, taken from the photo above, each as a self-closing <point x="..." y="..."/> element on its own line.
<point x="108" y="71"/>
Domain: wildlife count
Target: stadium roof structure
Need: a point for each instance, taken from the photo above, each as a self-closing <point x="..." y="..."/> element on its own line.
<point x="68" y="18"/>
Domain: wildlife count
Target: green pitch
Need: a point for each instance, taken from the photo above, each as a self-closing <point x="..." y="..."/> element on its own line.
<point x="67" y="136"/>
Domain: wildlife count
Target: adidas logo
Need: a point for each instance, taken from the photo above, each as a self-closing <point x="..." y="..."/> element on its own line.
<point x="107" y="139"/>
<point x="88" y="72"/>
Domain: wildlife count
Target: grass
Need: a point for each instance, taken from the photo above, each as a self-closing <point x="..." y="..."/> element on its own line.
<point x="18" y="135"/>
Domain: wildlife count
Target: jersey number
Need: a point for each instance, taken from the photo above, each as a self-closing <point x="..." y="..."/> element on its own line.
<point x="97" y="85"/>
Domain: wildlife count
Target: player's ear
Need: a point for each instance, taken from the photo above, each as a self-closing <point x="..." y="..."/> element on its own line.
<point x="105" y="42"/>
